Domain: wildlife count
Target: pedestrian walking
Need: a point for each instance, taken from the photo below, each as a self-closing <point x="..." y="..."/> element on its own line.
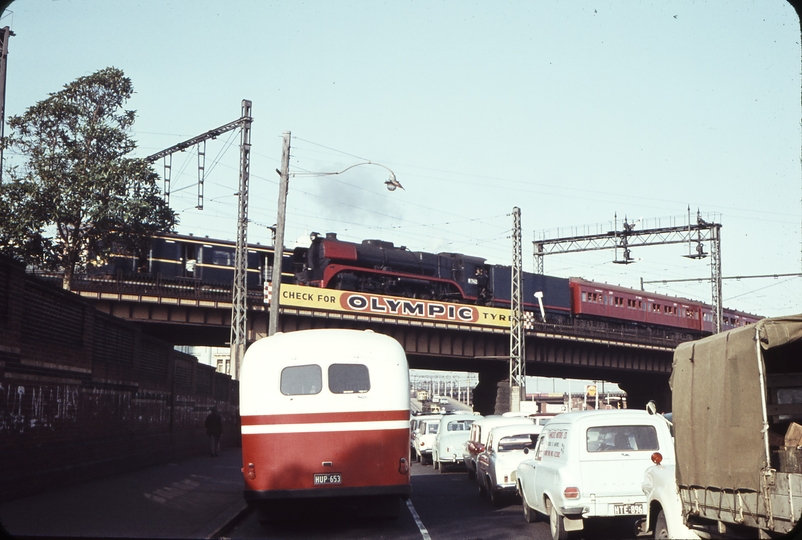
<point x="214" y="429"/>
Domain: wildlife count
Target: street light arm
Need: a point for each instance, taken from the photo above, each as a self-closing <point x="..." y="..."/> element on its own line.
<point x="392" y="183"/>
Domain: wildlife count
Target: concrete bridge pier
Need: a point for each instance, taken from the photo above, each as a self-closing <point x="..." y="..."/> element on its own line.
<point x="486" y="394"/>
<point x="642" y="388"/>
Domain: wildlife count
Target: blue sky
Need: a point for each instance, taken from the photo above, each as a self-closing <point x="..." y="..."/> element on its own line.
<point x="572" y="111"/>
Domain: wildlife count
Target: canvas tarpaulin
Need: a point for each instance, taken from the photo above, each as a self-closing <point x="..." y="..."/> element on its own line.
<point x="718" y="405"/>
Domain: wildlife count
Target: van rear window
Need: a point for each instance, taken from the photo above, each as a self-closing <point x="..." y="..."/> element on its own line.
<point x="301" y="380"/>
<point x="621" y="438"/>
<point x="349" y="378"/>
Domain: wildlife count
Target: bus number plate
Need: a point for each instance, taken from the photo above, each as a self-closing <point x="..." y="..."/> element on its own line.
<point x="629" y="509"/>
<point x="334" y="478"/>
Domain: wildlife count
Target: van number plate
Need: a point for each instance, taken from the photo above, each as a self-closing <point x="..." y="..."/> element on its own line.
<point x="628" y="509"/>
<point x="334" y="478"/>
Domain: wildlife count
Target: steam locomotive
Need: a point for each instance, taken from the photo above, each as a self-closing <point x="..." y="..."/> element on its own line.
<point x="379" y="267"/>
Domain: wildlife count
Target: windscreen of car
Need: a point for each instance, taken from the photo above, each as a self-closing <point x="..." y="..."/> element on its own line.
<point x="301" y="380"/>
<point x="517" y="442"/>
<point x="621" y="438"/>
<point x="432" y="428"/>
<point x="349" y="378"/>
<point x="459" y="425"/>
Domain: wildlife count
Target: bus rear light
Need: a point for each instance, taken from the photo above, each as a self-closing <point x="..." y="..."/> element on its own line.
<point x="251" y="472"/>
<point x="571" y="493"/>
<point x="403" y="466"/>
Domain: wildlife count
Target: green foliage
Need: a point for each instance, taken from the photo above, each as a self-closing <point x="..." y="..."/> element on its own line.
<point x="78" y="196"/>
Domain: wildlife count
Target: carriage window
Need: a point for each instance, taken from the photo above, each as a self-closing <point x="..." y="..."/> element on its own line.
<point x="349" y="378"/>
<point x="301" y="380"/>
<point x="621" y="438"/>
<point x="222" y="258"/>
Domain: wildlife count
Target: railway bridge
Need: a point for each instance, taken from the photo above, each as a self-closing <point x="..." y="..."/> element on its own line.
<point x="435" y="335"/>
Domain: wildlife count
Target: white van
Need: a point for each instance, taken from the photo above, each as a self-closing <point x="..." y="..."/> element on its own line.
<point x="590" y="464"/>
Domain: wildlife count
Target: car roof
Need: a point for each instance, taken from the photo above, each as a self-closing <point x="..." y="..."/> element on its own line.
<point x="521" y="429"/>
<point x="422" y="417"/>
<point x="467" y="416"/>
<point x="491" y="421"/>
<point x="602" y="417"/>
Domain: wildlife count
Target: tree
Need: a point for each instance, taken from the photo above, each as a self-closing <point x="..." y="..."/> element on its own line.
<point x="77" y="196"/>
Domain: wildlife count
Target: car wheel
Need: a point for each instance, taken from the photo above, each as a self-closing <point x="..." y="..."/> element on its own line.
<point x="482" y="489"/>
<point x="495" y="496"/>
<point x="530" y="514"/>
<point x="556" y="526"/>
<point x="661" y="527"/>
<point x="442" y="467"/>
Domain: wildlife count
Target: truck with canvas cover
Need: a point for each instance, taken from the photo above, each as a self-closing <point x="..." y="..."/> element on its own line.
<point x="737" y="409"/>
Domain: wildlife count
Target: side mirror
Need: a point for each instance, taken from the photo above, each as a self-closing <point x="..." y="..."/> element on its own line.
<point x="651" y="407"/>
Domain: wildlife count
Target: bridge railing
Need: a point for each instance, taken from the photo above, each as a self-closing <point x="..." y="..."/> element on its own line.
<point x="156" y="285"/>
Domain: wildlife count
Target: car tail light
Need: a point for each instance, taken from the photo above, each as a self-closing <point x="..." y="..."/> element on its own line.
<point x="571" y="493"/>
<point x="657" y="458"/>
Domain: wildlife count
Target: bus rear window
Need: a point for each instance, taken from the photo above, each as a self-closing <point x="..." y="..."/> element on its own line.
<point x="301" y="380"/>
<point x="349" y="378"/>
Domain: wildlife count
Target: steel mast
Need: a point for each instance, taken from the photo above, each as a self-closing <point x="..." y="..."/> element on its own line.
<point x="517" y="335"/>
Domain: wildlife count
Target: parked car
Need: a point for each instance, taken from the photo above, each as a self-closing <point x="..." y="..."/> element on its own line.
<point x="591" y="464"/>
<point x="478" y="437"/>
<point x="414" y="424"/>
<point x="424" y="437"/>
<point x="506" y="448"/>
<point x="453" y="432"/>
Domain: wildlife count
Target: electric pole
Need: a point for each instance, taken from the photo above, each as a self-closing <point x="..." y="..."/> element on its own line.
<point x="278" y="247"/>
<point x="517" y="335"/>
<point x="5" y="33"/>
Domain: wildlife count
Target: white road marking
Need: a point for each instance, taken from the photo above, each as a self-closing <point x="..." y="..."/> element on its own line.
<point x="424" y="533"/>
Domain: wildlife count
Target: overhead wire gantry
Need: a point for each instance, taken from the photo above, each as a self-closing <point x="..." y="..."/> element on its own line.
<point x="239" y="287"/>
<point x="628" y="237"/>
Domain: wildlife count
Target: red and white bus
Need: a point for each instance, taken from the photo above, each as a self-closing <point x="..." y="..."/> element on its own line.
<point x="325" y="413"/>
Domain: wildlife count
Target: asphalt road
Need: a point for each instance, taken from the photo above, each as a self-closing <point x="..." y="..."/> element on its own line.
<point x="447" y="505"/>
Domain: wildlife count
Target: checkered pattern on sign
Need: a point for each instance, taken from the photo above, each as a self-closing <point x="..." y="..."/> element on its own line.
<point x="529" y="320"/>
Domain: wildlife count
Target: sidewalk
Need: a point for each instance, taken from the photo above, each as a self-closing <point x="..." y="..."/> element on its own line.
<point x="191" y="498"/>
